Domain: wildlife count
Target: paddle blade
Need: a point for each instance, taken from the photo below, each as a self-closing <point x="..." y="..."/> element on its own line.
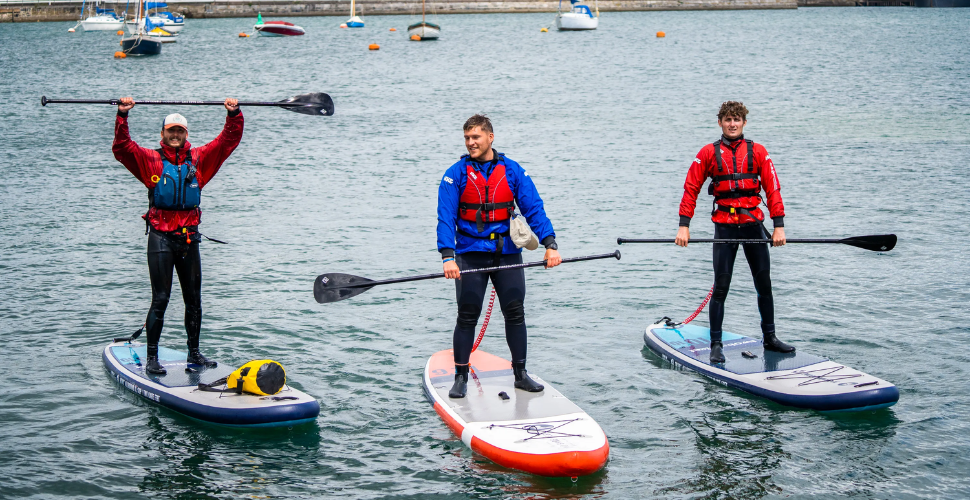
<point x="333" y="287"/>
<point x="876" y="242"/>
<point x="317" y="104"/>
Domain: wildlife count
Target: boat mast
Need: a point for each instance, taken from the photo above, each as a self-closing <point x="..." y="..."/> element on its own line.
<point x="422" y="11"/>
<point x="351" y="8"/>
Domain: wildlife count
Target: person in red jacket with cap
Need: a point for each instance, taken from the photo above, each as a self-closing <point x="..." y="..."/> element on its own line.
<point x="739" y="169"/>
<point x="175" y="174"/>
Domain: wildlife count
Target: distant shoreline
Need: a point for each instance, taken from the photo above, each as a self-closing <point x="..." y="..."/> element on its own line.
<point x="59" y="10"/>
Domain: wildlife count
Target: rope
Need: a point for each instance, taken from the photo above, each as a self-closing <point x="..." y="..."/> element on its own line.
<point x="488" y="315"/>
<point x="699" y="309"/>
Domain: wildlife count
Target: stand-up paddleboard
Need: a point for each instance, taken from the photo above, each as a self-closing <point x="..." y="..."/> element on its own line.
<point x="797" y="379"/>
<point x="537" y="432"/>
<point x="179" y="390"/>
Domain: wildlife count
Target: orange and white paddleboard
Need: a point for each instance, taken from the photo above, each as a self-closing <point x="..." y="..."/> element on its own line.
<point x="537" y="432"/>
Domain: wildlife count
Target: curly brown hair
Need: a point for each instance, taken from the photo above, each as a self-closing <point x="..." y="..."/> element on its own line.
<point x="479" y="120"/>
<point x="733" y="108"/>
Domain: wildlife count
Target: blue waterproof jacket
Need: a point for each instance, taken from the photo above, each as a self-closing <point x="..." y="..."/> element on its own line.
<point x="526" y="198"/>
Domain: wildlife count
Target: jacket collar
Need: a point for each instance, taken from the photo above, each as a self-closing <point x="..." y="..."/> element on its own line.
<point x="486" y="166"/>
<point x="731" y="144"/>
<point x="169" y="151"/>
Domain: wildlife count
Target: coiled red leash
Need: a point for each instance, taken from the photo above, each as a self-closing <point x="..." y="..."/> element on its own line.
<point x="699" y="309"/>
<point x="488" y="315"/>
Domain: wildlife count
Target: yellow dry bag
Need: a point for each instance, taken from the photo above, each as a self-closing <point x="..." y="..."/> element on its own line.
<point x="263" y="377"/>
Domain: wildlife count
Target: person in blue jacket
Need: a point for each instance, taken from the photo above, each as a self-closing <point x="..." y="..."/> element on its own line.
<point x="476" y="201"/>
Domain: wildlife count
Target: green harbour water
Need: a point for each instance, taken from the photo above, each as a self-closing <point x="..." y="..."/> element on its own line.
<point x="866" y="115"/>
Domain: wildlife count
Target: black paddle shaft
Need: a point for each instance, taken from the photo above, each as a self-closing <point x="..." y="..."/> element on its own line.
<point x="311" y="104"/>
<point x="876" y="243"/>
<point x="332" y="287"/>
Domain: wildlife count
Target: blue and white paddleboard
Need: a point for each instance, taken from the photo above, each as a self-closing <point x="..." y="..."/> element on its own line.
<point x="798" y="379"/>
<point x="178" y="390"/>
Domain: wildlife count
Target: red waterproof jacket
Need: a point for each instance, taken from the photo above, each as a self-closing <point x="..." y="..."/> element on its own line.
<point x="734" y="160"/>
<point x="146" y="165"/>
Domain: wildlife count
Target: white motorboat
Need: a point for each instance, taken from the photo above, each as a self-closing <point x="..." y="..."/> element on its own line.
<point x="105" y="20"/>
<point x="580" y="17"/>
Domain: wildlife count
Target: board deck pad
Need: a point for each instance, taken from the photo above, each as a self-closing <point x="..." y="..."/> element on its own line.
<point x="539" y="432"/>
<point x="795" y="379"/>
<point x="134" y="357"/>
<point x="695" y="341"/>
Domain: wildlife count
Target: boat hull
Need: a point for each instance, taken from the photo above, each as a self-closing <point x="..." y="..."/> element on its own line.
<point x="425" y="31"/>
<point x="570" y="21"/>
<point x="279" y="30"/>
<point x="102" y="23"/>
<point x="141" y="46"/>
<point x="355" y="22"/>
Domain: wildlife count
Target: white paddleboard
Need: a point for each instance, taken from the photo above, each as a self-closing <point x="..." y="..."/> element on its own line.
<point x="541" y="433"/>
<point x="798" y="379"/>
<point x="178" y="390"/>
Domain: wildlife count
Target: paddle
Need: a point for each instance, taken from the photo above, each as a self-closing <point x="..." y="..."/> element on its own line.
<point x="875" y="242"/>
<point x="317" y="104"/>
<point x="333" y="287"/>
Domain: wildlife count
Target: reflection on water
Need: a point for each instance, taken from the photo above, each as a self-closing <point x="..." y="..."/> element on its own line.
<point x="200" y="460"/>
<point x="740" y="451"/>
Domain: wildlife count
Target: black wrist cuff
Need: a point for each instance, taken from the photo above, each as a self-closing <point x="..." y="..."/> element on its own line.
<point x="550" y="243"/>
<point x="123" y="114"/>
<point x="778" y="221"/>
<point x="447" y="252"/>
<point x="236" y="112"/>
<point x="684" y="221"/>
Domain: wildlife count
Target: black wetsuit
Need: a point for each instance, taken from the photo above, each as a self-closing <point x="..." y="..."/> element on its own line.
<point x="167" y="252"/>
<point x="471" y="289"/>
<point x="759" y="262"/>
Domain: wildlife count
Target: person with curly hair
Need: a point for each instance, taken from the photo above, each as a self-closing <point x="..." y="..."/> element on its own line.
<point x="739" y="170"/>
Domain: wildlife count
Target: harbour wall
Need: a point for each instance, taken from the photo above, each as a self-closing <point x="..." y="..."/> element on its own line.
<point x="60" y="10"/>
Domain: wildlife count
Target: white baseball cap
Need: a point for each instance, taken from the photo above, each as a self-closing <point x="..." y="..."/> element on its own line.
<point x="175" y="120"/>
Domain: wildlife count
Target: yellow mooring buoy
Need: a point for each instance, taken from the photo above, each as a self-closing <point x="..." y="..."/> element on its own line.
<point x="544" y="30"/>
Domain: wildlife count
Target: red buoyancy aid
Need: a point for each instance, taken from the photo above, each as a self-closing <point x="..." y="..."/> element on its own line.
<point x="736" y="182"/>
<point x="486" y="200"/>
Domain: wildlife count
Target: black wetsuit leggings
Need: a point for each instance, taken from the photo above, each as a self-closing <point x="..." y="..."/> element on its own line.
<point x="165" y="253"/>
<point x="470" y="290"/>
<point x="759" y="262"/>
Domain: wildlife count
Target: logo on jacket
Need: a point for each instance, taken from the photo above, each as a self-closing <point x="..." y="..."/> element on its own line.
<point x="449" y="180"/>
<point x="325" y="280"/>
<point x="473" y="175"/>
<point x="697" y="160"/>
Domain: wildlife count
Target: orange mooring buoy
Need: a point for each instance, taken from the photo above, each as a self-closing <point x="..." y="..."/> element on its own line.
<point x="120" y="55"/>
<point x="393" y="29"/>
<point x="244" y="35"/>
<point x="343" y="25"/>
<point x="374" y="46"/>
<point x="121" y="33"/>
<point x="661" y="34"/>
<point x="416" y="38"/>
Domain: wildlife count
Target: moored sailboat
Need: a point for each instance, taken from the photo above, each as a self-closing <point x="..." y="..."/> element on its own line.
<point x="424" y="30"/>
<point x="140" y="44"/>
<point x="579" y="18"/>
<point x="355" y="21"/>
